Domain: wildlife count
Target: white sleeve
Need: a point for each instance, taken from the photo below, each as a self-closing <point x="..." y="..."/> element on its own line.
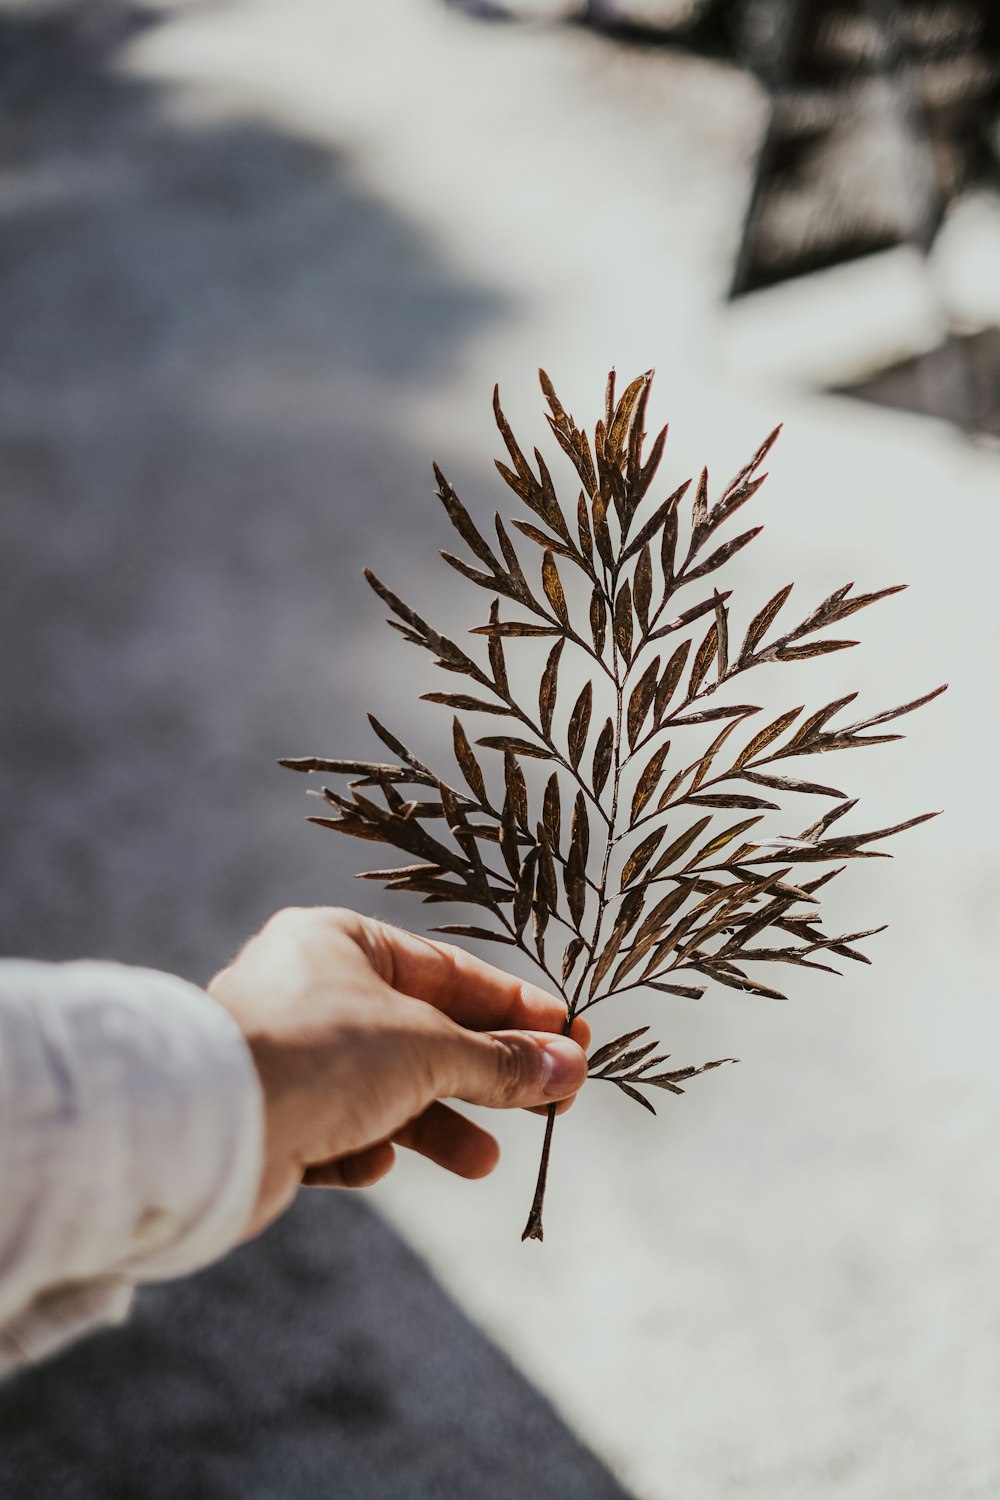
<point x="131" y="1127"/>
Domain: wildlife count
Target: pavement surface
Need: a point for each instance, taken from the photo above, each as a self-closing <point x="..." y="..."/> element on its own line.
<point x="259" y="263"/>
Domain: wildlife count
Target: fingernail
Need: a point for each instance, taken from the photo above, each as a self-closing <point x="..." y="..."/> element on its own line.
<point x="562" y="1067"/>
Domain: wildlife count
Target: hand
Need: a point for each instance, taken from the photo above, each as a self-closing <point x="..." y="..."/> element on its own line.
<point x="359" y="1030"/>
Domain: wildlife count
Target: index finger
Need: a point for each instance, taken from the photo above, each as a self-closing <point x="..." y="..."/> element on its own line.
<point x="465" y="988"/>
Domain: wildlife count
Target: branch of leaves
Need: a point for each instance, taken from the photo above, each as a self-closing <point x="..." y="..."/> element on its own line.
<point x="665" y="947"/>
<point x="811" y="738"/>
<point x="706" y="520"/>
<point x="614" y="475"/>
<point x="631" y="1067"/>
<point x="714" y="650"/>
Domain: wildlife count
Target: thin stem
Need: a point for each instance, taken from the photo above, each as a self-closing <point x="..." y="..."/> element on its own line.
<point x="533" y="1227"/>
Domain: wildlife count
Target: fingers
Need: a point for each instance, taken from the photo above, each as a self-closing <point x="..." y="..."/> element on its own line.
<point x="451" y="1141"/>
<point x="471" y="992"/>
<point x="357" y="1171"/>
<point x="505" y="1069"/>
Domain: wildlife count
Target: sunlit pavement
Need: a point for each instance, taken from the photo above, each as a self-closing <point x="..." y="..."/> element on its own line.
<point x="785" y="1287"/>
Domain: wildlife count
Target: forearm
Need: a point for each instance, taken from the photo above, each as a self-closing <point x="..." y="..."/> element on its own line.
<point x="130" y="1142"/>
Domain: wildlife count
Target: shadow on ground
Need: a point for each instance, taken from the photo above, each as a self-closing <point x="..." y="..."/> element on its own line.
<point x="957" y="382"/>
<point x="208" y="333"/>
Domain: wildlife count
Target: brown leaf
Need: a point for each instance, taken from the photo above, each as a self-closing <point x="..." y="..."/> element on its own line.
<point x="638" y="861"/>
<point x="403" y="871"/>
<point x="607" y="957"/>
<point x="484" y="934"/>
<point x="649" y="780"/>
<point x="579" y="724"/>
<point x="722" y="554"/>
<point x="484" y="580"/>
<point x="503" y="628"/>
<point x="642" y="587"/>
<point x="895" y="713"/>
<point x="547" y="688"/>
<point x="552" y="585"/>
<point x="632" y="1093"/>
<point x="755" y="463"/>
<point x="618" y="430"/>
<point x="762" y="621"/>
<point x="790" y="784"/>
<point x="552" y="810"/>
<point x="641" y="700"/>
<point x="468" y="764"/>
<point x="579" y="832"/>
<point x="637" y="433"/>
<point x="398" y="748"/>
<point x="525" y="890"/>
<point x="726" y="711"/>
<point x="572" y="952"/>
<point x="854" y="841"/>
<point x="623" y="620"/>
<point x="812" y="648"/>
<point x="765" y="737"/>
<point x="731" y="502"/>
<point x="722" y="639"/>
<point x="720" y="840"/>
<point x="627" y="1065"/>
<point x="602" y="537"/>
<point x="729" y="799"/>
<point x="611" y="1050"/>
<point x="738" y="981"/>
<point x="352" y="768"/>
<point x="516" y="789"/>
<point x="687" y="617"/>
<point x="463" y="523"/>
<point x="517" y="457"/>
<point x="598" y="620"/>
<point x="644" y="478"/>
<point x="699" y="510"/>
<point x="656" y="521"/>
<point x="497" y="664"/>
<point x="465" y="702"/>
<point x="655" y="922"/>
<point x="816" y="721"/>
<point x="686" y="991"/>
<point x="576" y="878"/>
<point x="602" y="756"/>
<point x="548" y="885"/>
<point x="510" y="558"/>
<point x="847" y="607"/>
<point x="667" y="686"/>
<point x="542" y="539"/>
<point x="705" y="764"/>
<point x="584" y="531"/>
<point x="673" y="852"/>
<point x="508" y="742"/>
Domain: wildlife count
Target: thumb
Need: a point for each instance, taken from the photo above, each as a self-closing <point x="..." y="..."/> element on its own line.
<point x="510" y="1069"/>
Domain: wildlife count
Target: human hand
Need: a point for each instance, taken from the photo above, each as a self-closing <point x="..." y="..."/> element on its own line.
<point x="359" y="1030"/>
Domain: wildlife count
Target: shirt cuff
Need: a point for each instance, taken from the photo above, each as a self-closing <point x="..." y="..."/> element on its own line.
<point x="135" y="1120"/>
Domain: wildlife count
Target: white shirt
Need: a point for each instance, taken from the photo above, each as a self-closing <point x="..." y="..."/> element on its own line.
<point x="131" y="1126"/>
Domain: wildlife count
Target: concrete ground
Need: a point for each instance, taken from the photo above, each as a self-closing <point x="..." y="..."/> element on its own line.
<point x="258" y="264"/>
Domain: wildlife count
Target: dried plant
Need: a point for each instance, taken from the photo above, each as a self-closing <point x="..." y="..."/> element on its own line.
<point x="616" y="835"/>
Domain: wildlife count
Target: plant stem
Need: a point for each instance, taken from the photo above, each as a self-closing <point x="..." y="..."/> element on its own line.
<point x="533" y="1228"/>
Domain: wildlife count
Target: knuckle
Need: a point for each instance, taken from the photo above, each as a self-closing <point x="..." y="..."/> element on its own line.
<point x="518" y="1067"/>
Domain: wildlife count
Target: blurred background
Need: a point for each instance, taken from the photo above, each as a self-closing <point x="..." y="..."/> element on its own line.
<point x="261" y="262"/>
